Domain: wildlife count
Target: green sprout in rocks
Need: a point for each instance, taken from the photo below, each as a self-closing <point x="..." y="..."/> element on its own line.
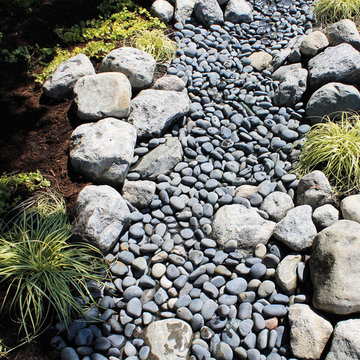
<point x="334" y="148"/>
<point x="43" y="270"/>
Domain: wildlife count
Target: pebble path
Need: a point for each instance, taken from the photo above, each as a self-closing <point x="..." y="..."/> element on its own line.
<point x="233" y="135"/>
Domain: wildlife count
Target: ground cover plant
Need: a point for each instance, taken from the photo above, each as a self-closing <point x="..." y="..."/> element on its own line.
<point x="333" y="147"/>
<point x="44" y="271"/>
<point x="331" y="11"/>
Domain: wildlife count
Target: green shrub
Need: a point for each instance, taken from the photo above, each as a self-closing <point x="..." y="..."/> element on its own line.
<point x="334" y="148"/>
<point x="43" y="270"/>
<point x="330" y="11"/>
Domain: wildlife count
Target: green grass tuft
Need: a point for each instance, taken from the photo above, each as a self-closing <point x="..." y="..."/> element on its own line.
<point x="334" y="148"/>
<point x="331" y="11"/>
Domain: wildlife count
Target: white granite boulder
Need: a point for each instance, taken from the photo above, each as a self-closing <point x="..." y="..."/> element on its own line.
<point x="184" y="9"/>
<point x="163" y="10"/>
<point x="100" y="216"/>
<point x="103" y="151"/>
<point x="102" y="95"/>
<point x="62" y="81"/>
<point x="137" y="65"/>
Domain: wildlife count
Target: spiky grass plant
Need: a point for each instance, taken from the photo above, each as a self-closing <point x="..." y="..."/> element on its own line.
<point x="331" y="11"/>
<point x="156" y="43"/>
<point x="334" y="148"/>
<point x="43" y="270"/>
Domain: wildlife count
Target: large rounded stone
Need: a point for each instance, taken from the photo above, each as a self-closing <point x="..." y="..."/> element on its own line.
<point x="238" y="11"/>
<point x="314" y="43"/>
<point x="208" y="12"/>
<point x="350" y="208"/>
<point x="343" y="31"/>
<point x="335" y="268"/>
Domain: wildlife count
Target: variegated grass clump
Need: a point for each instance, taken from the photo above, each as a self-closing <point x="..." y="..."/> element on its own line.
<point x="334" y="148"/>
<point x="43" y="270"/>
<point x="331" y="11"/>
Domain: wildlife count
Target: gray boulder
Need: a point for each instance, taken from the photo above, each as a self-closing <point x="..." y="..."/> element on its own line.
<point x="334" y="268"/>
<point x="169" y="83"/>
<point x="296" y="229"/>
<point x="314" y="190"/>
<point x="100" y="216"/>
<point x="208" y="12"/>
<point x="350" y="208"/>
<point x="238" y="11"/>
<point x="343" y="31"/>
<point x="168" y="339"/>
<point x="139" y="193"/>
<point x="285" y="274"/>
<point x="280" y="73"/>
<point x="137" y="65"/>
<point x="325" y="215"/>
<point x="184" y="9"/>
<point x="163" y="10"/>
<point x="331" y="98"/>
<point x="161" y="160"/>
<point x="340" y="63"/>
<point x="245" y="226"/>
<point x="62" y="81"/>
<point x="309" y="332"/>
<point x="346" y="342"/>
<point x="291" y="88"/>
<point x="153" y="111"/>
<point x="276" y="205"/>
<point x="102" y="95"/>
<point x="103" y="151"/>
<point x="314" y="43"/>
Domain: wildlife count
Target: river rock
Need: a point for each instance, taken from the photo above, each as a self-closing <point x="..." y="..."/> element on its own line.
<point x="334" y="268"/>
<point x="309" y="332"/>
<point x="314" y="189"/>
<point x="61" y="82"/>
<point x="332" y="98"/>
<point x="184" y="9"/>
<point x="245" y="226"/>
<point x="285" y="274"/>
<point x="346" y="343"/>
<point x="208" y="12"/>
<point x="260" y="60"/>
<point x="276" y="205"/>
<point x="163" y="10"/>
<point x="343" y="31"/>
<point x="114" y="90"/>
<point x="339" y="63"/>
<point x="168" y="339"/>
<point x="153" y="111"/>
<point x="103" y="151"/>
<point x="139" y="193"/>
<point x="100" y="215"/>
<point x="314" y="43"/>
<point x="350" y="208"/>
<point x="137" y="65"/>
<point x="325" y="215"/>
<point x="161" y="160"/>
<point x="238" y="11"/>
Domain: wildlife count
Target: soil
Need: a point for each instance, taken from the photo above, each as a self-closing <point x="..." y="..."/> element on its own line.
<point x="34" y="131"/>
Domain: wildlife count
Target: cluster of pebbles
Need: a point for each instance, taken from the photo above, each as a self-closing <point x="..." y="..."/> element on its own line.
<point x="167" y="265"/>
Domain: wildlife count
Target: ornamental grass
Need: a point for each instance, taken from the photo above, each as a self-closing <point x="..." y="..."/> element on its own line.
<point x="331" y="11"/>
<point x="334" y="148"/>
<point x="44" y="271"/>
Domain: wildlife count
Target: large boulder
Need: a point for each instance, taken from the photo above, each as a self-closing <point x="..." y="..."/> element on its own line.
<point x="168" y="339"/>
<point x="161" y="160"/>
<point x="291" y="88"/>
<point x="208" y="12"/>
<point x="61" y="82"/>
<point x="163" y="10"/>
<point x="339" y="63"/>
<point x="346" y="341"/>
<point x="103" y="151"/>
<point x="139" y="193"/>
<point x="314" y="189"/>
<point x="330" y="99"/>
<point x="309" y="332"/>
<point x="184" y="9"/>
<point x="153" y="111"/>
<point x="102" y="95"/>
<point x="100" y="216"/>
<point x="296" y="230"/>
<point x="314" y="43"/>
<point x="343" y="31"/>
<point x="245" y="226"/>
<point x="137" y="65"/>
<point x="238" y="11"/>
<point x="350" y="208"/>
<point x="335" y="268"/>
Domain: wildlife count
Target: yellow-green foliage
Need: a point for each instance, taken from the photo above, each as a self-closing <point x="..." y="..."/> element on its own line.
<point x="334" y="148"/>
<point x="10" y="182"/>
<point x="330" y="11"/>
